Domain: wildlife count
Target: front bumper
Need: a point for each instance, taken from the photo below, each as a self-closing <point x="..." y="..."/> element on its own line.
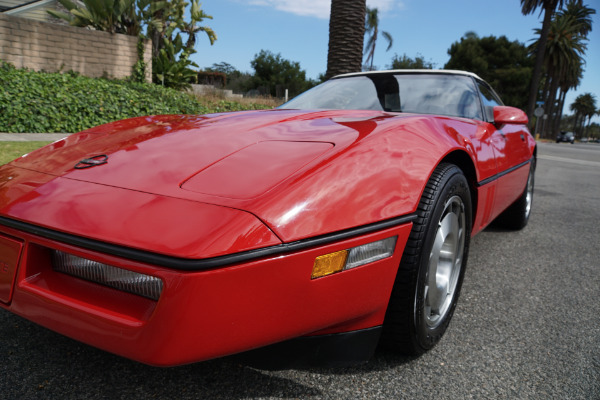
<point x="202" y="314"/>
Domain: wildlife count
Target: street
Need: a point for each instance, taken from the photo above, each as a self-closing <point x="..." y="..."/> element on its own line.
<point x="527" y="325"/>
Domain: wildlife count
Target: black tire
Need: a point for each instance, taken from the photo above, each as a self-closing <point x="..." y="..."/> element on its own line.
<point x="420" y="308"/>
<point x="517" y="215"/>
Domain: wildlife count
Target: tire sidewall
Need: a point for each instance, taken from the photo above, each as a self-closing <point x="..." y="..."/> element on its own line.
<point x="453" y="183"/>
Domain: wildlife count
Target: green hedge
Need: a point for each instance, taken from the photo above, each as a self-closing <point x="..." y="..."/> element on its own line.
<point x="68" y="102"/>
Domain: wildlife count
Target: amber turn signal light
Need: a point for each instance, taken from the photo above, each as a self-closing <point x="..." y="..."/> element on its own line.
<point x="354" y="257"/>
<point x="329" y="263"/>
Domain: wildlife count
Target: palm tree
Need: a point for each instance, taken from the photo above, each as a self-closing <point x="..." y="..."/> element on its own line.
<point x="372" y="29"/>
<point x="576" y="107"/>
<point x="192" y="27"/>
<point x="589" y="100"/>
<point x="114" y="16"/>
<point x="346" y="36"/>
<point x="570" y="81"/>
<point x="563" y="57"/>
<point x="529" y="7"/>
<point x="580" y="24"/>
<point x="584" y="107"/>
<point x="581" y="16"/>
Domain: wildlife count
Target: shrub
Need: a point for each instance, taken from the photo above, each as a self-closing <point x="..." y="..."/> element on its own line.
<point x="68" y="102"/>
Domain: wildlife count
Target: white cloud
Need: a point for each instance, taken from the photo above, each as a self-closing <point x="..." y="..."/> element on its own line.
<point x="308" y="8"/>
<point x="385" y="5"/>
<point x="320" y="8"/>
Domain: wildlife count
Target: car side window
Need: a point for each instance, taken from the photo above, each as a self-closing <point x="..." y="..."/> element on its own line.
<point x="489" y="99"/>
<point x="443" y="94"/>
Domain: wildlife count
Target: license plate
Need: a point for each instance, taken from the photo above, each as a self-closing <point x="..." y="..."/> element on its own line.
<point x="10" y="252"/>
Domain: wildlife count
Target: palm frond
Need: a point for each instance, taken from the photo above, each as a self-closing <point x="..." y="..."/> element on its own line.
<point x="389" y="39"/>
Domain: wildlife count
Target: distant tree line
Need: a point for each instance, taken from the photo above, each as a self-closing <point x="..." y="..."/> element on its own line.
<point x="272" y="75"/>
<point x="505" y="65"/>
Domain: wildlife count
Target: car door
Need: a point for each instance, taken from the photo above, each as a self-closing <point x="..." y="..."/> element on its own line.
<point x="511" y="151"/>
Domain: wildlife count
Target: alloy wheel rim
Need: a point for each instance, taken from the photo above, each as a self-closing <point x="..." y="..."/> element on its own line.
<point x="445" y="262"/>
<point x="529" y="196"/>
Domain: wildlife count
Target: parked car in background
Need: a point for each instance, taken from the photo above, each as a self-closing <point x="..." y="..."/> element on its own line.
<point x="320" y="229"/>
<point x="565" y="137"/>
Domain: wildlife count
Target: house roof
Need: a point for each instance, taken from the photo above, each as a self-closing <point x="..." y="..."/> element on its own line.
<point x="11" y="8"/>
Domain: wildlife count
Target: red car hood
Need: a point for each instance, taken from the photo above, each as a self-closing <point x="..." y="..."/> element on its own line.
<point x="299" y="173"/>
<point x="237" y="155"/>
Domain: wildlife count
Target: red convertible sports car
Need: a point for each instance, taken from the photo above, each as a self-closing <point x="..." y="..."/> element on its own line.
<point x="309" y="233"/>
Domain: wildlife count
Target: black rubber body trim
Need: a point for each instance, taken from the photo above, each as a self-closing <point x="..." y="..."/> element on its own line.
<point x="206" y="263"/>
<point x="501" y="174"/>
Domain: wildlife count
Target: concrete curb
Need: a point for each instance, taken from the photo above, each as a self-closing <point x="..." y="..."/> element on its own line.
<point x="28" y="137"/>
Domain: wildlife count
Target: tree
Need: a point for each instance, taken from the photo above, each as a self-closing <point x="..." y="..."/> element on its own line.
<point x="166" y="21"/>
<point x="172" y="66"/>
<point x="580" y="15"/>
<point x="563" y="58"/>
<point x="237" y="81"/>
<point x="584" y="107"/>
<point x="273" y="74"/>
<point x="529" y="7"/>
<point x="405" y="62"/>
<point x="346" y="36"/>
<point x="503" y="64"/>
<point x="114" y="16"/>
<point x="580" y="22"/>
<point x="372" y="30"/>
<point x="173" y="38"/>
<point x="172" y="25"/>
<point x="579" y="108"/>
<point x="223" y="67"/>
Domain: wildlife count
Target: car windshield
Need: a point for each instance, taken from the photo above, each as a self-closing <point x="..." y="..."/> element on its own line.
<point x="444" y="94"/>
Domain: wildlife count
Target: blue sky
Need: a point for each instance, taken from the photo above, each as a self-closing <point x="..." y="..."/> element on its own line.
<point x="299" y="29"/>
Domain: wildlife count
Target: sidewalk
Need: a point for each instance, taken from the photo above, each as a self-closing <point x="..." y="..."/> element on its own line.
<point x="28" y="137"/>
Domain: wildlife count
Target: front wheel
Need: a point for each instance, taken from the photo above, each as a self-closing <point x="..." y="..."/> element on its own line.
<point x="431" y="271"/>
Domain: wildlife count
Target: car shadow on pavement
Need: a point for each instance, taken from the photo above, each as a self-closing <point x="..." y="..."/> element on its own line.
<point x="381" y="360"/>
<point x="38" y="363"/>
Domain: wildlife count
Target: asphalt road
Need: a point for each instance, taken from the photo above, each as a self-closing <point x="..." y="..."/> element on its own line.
<point x="527" y="325"/>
